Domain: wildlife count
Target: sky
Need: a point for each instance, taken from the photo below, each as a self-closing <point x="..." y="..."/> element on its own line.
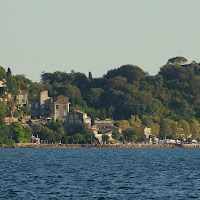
<point x="96" y="35"/>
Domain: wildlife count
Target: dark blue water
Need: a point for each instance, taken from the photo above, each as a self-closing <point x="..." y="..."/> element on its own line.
<point x="100" y="174"/>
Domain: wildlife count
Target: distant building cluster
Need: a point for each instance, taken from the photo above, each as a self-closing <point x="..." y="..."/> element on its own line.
<point x="44" y="109"/>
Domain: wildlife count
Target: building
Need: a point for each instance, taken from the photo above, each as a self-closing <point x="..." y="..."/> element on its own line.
<point x="3" y="83"/>
<point x="44" y="104"/>
<point x="7" y="97"/>
<point x="40" y="107"/>
<point x="99" y="135"/>
<point x="35" y="140"/>
<point x="73" y="117"/>
<point x="9" y="120"/>
<point x="60" y="108"/>
<point x="104" y="127"/>
<point x="43" y="107"/>
<point x="22" y="98"/>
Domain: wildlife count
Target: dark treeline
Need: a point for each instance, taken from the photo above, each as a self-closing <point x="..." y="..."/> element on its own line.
<point x="172" y="93"/>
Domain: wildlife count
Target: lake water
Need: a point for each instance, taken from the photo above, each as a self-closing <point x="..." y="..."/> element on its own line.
<point x="100" y="174"/>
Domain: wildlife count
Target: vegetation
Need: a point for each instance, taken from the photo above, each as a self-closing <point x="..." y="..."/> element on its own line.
<point x="168" y="103"/>
<point x="19" y="134"/>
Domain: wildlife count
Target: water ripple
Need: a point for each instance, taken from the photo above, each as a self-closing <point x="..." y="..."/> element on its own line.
<point x="100" y="174"/>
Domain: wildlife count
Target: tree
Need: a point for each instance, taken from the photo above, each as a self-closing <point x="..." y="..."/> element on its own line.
<point x="130" y="135"/>
<point x="65" y="139"/>
<point x="165" y="128"/>
<point x="116" y="134"/>
<point x="195" y="129"/>
<point x="4" y="134"/>
<point x="122" y="139"/>
<point x="56" y="127"/>
<point x="133" y="138"/>
<point x="155" y="129"/>
<point x="146" y="121"/>
<point x="44" y="133"/>
<point x="105" y="138"/>
<point x="81" y="127"/>
<point x="3" y="111"/>
<point x="9" y="73"/>
<point x="103" y="114"/>
<point x="130" y="72"/>
<point x="94" y="97"/>
<point x="27" y="134"/>
<point x="185" y="126"/>
<point x="17" y="131"/>
<point x="2" y="73"/>
<point x="11" y="83"/>
<point x="110" y="112"/>
<point x="175" y="131"/>
<point x="90" y="76"/>
<point x="177" y="61"/>
<point x="124" y="124"/>
<point x="77" y="137"/>
<point x="135" y="121"/>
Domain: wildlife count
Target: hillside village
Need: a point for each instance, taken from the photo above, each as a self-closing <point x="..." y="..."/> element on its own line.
<point x="126" y="105"/>
<point x="44" y="109"/>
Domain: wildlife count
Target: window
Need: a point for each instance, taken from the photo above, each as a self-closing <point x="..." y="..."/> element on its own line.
<point x="23" y="100"/>
<point x="57" y="113"/>
<point x="24" y="96"/>
<point x="29" y="105"/>
<point x="57" y="106"/>
<point x="65" y="113"/>
<point x="65" y="107"/>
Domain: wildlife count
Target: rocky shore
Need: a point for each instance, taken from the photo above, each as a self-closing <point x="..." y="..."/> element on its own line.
<point x="31" y="145"/>
<point x="21" y="145"/>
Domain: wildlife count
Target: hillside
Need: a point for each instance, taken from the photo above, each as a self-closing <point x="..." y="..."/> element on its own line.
<point x="168" y="102"/>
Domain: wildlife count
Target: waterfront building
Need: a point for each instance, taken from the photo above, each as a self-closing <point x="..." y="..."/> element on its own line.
<point x="35" y="140"/>
<point x="104" y="127"/>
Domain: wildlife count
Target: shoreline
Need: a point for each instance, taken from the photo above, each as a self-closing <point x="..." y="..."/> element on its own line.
<point x="31" y="145"/>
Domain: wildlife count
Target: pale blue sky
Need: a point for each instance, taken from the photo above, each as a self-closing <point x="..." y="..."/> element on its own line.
<point x="96" y="35"/>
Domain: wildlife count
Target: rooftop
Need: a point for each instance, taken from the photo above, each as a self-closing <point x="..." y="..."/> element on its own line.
<point x="62" y="100"/>
<point x="22" y="92"/>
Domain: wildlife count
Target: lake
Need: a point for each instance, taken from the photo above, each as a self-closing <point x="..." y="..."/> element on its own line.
<point x="99" y="173"/>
